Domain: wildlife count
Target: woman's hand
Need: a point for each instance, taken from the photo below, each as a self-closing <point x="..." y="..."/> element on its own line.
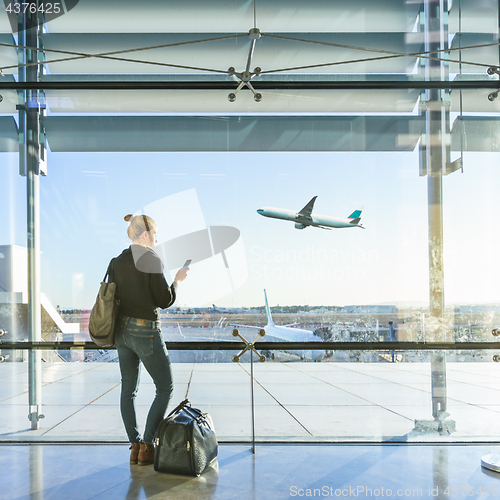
<point x="181" y="274"/>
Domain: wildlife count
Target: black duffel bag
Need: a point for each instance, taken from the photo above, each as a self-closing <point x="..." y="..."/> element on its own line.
<point x="185" y="441"/>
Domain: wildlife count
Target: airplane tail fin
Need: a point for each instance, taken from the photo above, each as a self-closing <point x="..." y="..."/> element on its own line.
<point x="356" y="215"/>
<point x="270" y="321"/>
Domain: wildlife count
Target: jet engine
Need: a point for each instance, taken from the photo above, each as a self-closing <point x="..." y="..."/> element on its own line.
<point x="325" y="333"/>
<point x="268" y="354"/>
<point x="299" y="226"/>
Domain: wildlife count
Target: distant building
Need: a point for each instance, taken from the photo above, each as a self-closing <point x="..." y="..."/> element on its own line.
<point x="477" y="309"/>
<point x="370" y="309"/>
<point x="320" y="310"/>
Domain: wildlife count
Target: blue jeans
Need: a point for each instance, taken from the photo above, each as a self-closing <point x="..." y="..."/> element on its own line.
<point x="134" y="344"/>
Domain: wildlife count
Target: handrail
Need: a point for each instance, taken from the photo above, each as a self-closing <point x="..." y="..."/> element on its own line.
<point x="273" y="346"/>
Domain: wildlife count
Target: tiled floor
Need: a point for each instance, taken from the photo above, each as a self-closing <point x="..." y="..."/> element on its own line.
<point x="293" y="401"/>
<point x="80" y="472"/>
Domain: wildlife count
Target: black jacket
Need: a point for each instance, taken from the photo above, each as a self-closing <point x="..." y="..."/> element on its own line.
<point x="141" y="287"/>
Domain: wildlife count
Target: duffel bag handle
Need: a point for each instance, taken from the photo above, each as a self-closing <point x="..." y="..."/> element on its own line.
<point x="186" y="406"/>
<point x="194" y="412"/>
<point x="179" y="407"/>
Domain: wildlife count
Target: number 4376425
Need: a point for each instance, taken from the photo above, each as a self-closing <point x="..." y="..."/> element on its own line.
<point x="470" y="491"/>
<point x="33" y="8"/>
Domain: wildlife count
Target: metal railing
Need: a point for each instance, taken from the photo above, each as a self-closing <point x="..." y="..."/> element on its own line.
<point x="272" y="346"/>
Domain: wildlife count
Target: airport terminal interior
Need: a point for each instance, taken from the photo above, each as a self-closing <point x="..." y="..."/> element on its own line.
<point x="329" y="170"/>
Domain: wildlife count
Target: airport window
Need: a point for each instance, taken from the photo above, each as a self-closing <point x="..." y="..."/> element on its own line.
<point x="342" y="192"/>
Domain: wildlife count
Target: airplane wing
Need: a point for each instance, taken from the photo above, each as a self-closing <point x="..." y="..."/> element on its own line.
<point x="210" y="339"/>
<point x="246" y="326"/>
<point x="307" y="210"/>
<point x="272" y="334"/>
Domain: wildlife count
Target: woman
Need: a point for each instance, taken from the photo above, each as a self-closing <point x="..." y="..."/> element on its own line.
<point x="141" y="289"/>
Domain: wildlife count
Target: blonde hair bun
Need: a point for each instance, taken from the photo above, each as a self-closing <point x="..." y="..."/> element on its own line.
<point x="139" y="224"/>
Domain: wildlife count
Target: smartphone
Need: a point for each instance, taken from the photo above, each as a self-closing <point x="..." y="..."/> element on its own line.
<point x="186" y="264"/>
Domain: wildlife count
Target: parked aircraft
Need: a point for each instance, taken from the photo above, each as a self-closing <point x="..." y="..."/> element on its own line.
<point x="217" y="310"/>
<point x="290" y="335"/>
<point x="304" y="218"/>
<point x="231" y="310"/>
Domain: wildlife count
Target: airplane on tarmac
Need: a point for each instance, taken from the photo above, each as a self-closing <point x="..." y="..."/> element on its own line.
<point x="231" y="310"/>
<point x="218" y="310"/>
<point x="305" y="217"/>
<point x="291" y="335"/>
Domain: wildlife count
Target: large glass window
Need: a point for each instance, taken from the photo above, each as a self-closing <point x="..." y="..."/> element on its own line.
<point x="331" y="175"/>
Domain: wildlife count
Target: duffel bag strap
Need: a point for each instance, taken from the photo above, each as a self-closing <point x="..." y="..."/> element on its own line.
<point x="194" y="412"/>
<point x="198" y="415"/>
<point x="179" y="407"/>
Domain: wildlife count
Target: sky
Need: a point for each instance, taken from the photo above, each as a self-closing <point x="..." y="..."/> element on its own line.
<point x="86" y="195"/>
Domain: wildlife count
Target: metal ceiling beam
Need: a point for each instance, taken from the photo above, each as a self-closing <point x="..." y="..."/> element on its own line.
<point x="260" y="85"/>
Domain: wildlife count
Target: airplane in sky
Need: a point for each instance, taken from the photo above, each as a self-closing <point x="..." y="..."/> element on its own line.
<point x="304" y="218"/>
<point x="291" y="335"/>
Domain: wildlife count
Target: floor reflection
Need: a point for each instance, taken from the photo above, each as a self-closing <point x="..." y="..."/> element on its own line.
<point x="274" y="472"/>
<point x="144" y="484"/>
<point x="36" y="472"/>
<point x="439" y="470"/>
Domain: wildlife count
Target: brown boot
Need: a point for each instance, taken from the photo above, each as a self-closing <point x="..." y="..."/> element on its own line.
<point x="134" y="454"/>
<point x="146" y="454"/>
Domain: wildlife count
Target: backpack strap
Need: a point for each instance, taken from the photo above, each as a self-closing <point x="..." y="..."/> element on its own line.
<point x="109" y="275"/>
<point x="109" y="272"/>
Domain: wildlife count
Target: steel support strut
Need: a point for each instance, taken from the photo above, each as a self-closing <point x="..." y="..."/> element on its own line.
<point x="30" y="166"/>
<point x="435" y="160"/>
<point x="250" y="346"/>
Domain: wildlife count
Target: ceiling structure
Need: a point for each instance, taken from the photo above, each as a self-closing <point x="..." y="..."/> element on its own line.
<point x="193" y="43"/>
